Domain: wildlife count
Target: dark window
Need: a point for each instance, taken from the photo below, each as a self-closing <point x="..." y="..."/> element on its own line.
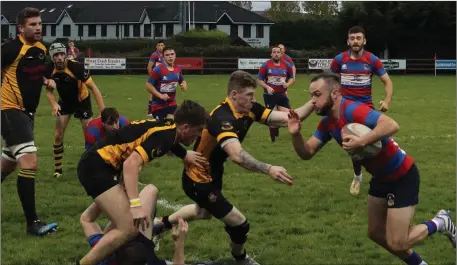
<point x="104" y="30"/>
<point x="212" y="26"/>
<point x="80" y="30"/>
<point x="147" y="30"/>
<point x="158" y="30"/>
<point x="92" y="31"/>
<point x="117" y="30"/>
<point x="233" y="30"/>
<point x="43" y="30"/>
<point x="126" y="30"/>
<point x="169" y="31"/>
<point x="246" y="31"/>
<point x="199" y="26"/>
<point x="66" y="30"/>
<point x="137" y="30"/>
<point x="259" y="31"/>
<point x="53" y="30"/>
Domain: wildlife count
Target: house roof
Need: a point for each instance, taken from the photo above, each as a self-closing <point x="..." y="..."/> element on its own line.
<point x="131" y="11"/>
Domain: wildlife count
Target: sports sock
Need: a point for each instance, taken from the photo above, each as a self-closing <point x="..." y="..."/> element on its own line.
<point x="166" y="222"/>
<point x="240" y="257"/>
<point x="273" y="133"/>
<point x="93" y="239"/>
<point x="26" y="191"/>
<point x="58" y="154"/>
<point x="357" y="168"/>
<point x="414" y="259"/>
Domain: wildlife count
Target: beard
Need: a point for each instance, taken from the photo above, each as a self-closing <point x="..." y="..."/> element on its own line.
<point x="357" y="48"/>
<point x="275" y="60"/>
<point x="328" y="105"/>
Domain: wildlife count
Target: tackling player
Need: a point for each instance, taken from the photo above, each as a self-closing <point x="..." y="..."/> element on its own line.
<point x="162" y="84"/>
<point x="394" y="187"/>
<point x="276" y="76"/>
<point x="109" y="121"/>
<point x="73" y="86"/>
<point x="356" y="67"/>
<point x="287" y="58"/>
<point x="23" y="67"/>
<point x="155" y="60"/>
<point x="229" y="125"/>
<point x="101" y="166"/>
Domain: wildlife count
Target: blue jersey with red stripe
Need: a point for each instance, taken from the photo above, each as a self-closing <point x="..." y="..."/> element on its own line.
<point x="95" y="131"/>
<point x="357" y="75"/>
<point x="288" y="59"/>
<point x="276" y="75"/>
<point x="165" y="81"/>
<point x="156" y="58"/>
<point x="390" y="164"/>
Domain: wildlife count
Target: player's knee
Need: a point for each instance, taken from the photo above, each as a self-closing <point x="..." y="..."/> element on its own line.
<point x="58" y="135"/>
<point x="374" y="234"/>
<point x="398" y="245"/>
<point x="128" y="232"/>
<point x="28" y="161"/>
<point x="203" y="214"/>
<point x="151" y="189"/>
<point x="238" y="234"/>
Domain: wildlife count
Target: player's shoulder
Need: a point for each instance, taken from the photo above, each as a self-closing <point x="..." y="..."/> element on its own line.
<point x="73" y="65"/>
<point x="341" y="55"/>
<point x="222" y="112"/>
<point x="12" y="46"/>
<point x="372" y="58"/>
<point x="96" y="122"/>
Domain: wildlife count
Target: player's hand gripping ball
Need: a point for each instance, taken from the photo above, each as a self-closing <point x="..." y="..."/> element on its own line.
<point x="359" y="130"/>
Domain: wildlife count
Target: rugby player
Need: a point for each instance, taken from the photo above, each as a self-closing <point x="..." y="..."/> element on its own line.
<point x="162" y="84"/>
<point x="356" y="67"/>
<point x="287" y="58"/>
<point x="100" y="168"/>
<point x="276" y="76"/>
<point x="155" y="59"/>
<point x="394" y="187"/>
<point x="23" y="67"/>
<point x="229" y="124"/>
<point x="73" y="86"/>
<point x="109" y="121"/>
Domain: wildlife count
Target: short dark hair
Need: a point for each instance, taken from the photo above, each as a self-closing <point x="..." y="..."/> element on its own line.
<point x="333" y="80"/>
<point x="26" y="13"/>
<point x="356" y="29"/>
<point x="192" y="113"/>
<point x="160" y="41"/>
<point x="110" y="115"/>
<point x="133" y="253"/>
<point x="167" y="48"/>
<point x="240" y="80"/>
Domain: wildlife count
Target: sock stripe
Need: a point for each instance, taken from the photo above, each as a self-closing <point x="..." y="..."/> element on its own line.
<point x="27" y="173"/>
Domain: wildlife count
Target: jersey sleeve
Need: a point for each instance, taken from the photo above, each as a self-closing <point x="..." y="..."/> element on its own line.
<point x="154" y="76"/>
<point x="91" y="135"/>
<point x="80" y="73"/>
<point x="156" y="145"/>
<point x="290" y="71"/>
<point x="48" y="70"/>
<point x="289" y="60"/>
<point x="335" y="65"/>
<point x="181" y="77"/>
<point x="9" y="54"/>
<point x="378" y="67"/>
<point x="123" y="121"/>
<point x="263" y="71"/>
<point x="361" y="113"/>
<point x="261" y="113"/>
<point x="222" y="129"/>
<point x="153" y="58"/>
<point x="321" y="132"/>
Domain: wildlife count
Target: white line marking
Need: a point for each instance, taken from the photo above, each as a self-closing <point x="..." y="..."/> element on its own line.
<point x="168" y="205"/>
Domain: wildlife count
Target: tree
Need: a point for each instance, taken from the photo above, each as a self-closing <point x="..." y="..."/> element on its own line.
<point x="244" y="4"/>
<point x="323" y="9"/>
<point x="283" y="11"/>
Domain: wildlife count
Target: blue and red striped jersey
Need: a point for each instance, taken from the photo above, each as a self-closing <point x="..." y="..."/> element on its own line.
<point x="95" y="131"/>
<point x="357" y="75"/>
<point x="288" y="59"/>
<point x="276" y="75"/>
<point x="390" y="164"/>
<point x="165" y="81"/>
<point x="156" y="58"/>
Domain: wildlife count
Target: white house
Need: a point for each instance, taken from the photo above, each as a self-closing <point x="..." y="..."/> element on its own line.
<point x="156" y="20"/>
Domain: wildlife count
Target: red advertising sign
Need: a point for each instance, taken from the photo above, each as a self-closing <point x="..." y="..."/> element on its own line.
<point x="190" y="63"/>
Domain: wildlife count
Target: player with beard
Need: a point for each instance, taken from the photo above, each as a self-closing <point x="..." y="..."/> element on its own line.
<point x="73" y="86"/>
<point x="155" y="60"/>
<point x="356" y="67"/>
<point x="394" y="187"/>
<point x="276" y="76"/>
<point x="23" y="66"/>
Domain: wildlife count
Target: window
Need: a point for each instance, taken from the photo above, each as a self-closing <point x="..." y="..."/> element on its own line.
<point x="246" y="31"/>
<point x="66" y="30"/>
<point x="158" y="30"/>
<point x="212" y="26"/>
<point x="104" y="29"/>
<point x="147" y="30"/>
<point x="233" y="30"/>
<point x="117" y="30"/>
<point x="199" y="26"/>
<point x="126" y="30"/>
<point x="259" y="31"/>
<point x="80" y="30"/>
<point x="43" y="30"/>
<point x="53" y="30"/>
<point x="169" y="31"/>
<point x="92" y="30"/>
<point x="137" y="30"/>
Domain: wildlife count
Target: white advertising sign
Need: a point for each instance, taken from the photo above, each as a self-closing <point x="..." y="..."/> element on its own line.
<point x="394" y="64"/>
<point x="105" y="63"/>
<point x="319" y="63"/>
<point x="247" y="63"/>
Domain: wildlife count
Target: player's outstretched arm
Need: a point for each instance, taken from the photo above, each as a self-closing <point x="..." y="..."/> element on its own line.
<point x="280" y="118"/>
<point x="239" y="156"/>
<point x="179" y="236"/>
<point x="389" y="89"/>
<point x="304" y="150"/>
<point x="97" y="95"/>
<point x="131" y="171"/>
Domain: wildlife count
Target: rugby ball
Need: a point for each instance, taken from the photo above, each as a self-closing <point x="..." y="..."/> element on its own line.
<point x="368" y="151"/>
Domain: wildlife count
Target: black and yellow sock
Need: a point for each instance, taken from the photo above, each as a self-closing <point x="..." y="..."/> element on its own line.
<point x="26" y="191"/>
<point x="58" y="154"/>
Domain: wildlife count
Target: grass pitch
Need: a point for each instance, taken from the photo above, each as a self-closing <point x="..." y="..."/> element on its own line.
<point x="316" y="221"/>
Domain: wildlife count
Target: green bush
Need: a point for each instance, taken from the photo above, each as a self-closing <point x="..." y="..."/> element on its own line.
<point x="202" y="37"/>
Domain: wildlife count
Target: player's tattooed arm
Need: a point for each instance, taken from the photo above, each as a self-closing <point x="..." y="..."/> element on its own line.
<point x="239" y="156"/>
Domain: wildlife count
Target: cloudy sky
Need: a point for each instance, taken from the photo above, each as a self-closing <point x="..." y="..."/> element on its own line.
<point x="260" y="6"/>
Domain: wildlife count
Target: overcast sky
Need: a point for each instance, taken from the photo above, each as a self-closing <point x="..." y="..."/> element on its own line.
<point x="260" y="6"/>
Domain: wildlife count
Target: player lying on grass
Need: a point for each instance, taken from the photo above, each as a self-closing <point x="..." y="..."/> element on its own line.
<point x="229" y="125"/>
<point x="101" y="166"/>
<point x="394" y="187"/>
<point x="139" y="251"/>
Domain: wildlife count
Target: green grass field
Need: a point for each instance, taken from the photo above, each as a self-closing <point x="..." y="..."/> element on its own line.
<point x="316" y="221"/>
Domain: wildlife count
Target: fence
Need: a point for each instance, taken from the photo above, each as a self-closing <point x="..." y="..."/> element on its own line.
<point x="210" y="65"/>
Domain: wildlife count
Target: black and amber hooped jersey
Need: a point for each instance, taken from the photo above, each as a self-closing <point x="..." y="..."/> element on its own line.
<point x="23" y="67"/>
<point x="71" y="81"/>
<point x="224" y="124"/>
<point x="150" y="138"/>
